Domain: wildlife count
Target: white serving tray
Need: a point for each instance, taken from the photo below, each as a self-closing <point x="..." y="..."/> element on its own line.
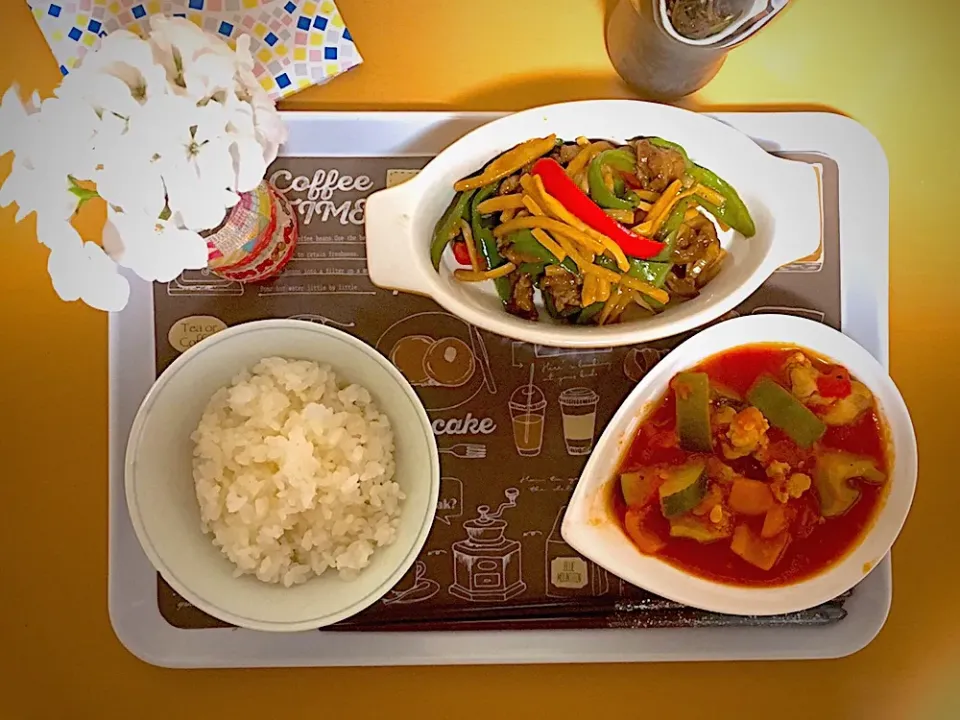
<point x="864" y="234"/>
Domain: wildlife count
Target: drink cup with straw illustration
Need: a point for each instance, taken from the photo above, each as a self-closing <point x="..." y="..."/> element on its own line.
<point x="527" y="409"/>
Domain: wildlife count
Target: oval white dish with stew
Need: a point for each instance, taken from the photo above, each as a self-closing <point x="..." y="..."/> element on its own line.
<point x="594" y="223"/>
<point x="764" y="466"/>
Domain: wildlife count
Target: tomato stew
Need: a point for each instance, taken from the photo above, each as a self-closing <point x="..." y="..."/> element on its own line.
<point x="762" y="466"/>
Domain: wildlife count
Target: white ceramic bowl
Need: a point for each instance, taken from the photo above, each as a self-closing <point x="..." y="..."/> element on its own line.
<point x="783" y="197"/>
<point x="163" y="505"/>
<point x="590" y="528"/>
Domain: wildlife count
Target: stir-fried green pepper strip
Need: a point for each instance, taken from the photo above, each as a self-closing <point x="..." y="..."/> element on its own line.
<point x="655" y="270"/>
<point x="670" y="230"/>
<point x="734" y="211"/>
<point x="649" y="271"/>
<point x="443" y="232"/>
<point x="486" y="242"/>
<point x="599" y="192"/>
<point x="536" y="268"/>
<point x="525" y="243"/>
<point x="589" y="312"/>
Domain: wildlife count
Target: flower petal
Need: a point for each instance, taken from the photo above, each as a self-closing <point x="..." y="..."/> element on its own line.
<point x="103" y="92"/>
<point x="271" y="130"/>
<point x="248" y="163"/>
<point x="83" y="271"/>
<point x="129" y="58"/>
<point x="191" y="203"/>
<point x="37" y="190"/>
<point x="154" y="250"/>
<point x="131" y="183"/>
<point x="209" y="74"/>
<point x="13" y="120"/>
<point x="57" y="233"/>
<point x="210" y="121"/>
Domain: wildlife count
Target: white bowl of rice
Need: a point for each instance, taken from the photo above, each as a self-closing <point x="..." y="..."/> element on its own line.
<point x="282" y="475"/>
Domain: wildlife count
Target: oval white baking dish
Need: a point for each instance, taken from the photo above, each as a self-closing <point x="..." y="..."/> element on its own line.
<point x="783" y="196"/>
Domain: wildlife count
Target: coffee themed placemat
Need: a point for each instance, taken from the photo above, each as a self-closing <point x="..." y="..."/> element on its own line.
<point x="514" y="422"/>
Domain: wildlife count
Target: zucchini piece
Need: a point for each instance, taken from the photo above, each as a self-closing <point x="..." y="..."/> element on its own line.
<point x="832" y="476"/>
<point x="703" y="531"/>
<point x="692" y="390"/>
<point x="784" y="411"/>
<point x="683" y="489"/>
<point x="638" y="487"/>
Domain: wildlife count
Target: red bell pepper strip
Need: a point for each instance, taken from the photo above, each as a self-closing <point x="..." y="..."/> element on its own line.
<point x="835" y="383"/>
<point x="460" y="252"/>
<point x="631" y="180"/>
<point x="559" y="185"/>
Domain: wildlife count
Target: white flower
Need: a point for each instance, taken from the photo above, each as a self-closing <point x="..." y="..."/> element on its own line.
<point x="200" y="61"/>
<point x="81" y="270"/>
<point x="198" y="168"/>
<point x="249" y="153"/>
<point x="106" y="94"/>
<point x="210" y="75"/>
<point x="129" y="58"/>
<point x="14" y="120"/>
<point x="129" y="171"/>
<point x="153" y="249"/>
<point x="41" y="189"/>
<point x="271" y="131"/>
<point x="57" y="136"/>
<point x="129" y="179"/>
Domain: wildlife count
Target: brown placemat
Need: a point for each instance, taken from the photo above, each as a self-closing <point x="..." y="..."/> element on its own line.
<point x="509" y="457"/>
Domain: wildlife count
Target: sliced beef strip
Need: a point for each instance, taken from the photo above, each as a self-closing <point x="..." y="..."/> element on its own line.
<point x="657" y="167"/>
<point x="521" y="297"/>
<point x="680" y="285"/>
<point x="563" y="287"/>
<point x="509" y="185"/>
<point x="692" y="242"/>
<point x="565" y="153"/>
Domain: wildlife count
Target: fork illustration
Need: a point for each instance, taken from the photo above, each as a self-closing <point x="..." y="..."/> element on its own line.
<point x="466" y="451"/>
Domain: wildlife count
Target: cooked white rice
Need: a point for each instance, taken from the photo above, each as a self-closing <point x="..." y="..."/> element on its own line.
<point x="294" y="473"/>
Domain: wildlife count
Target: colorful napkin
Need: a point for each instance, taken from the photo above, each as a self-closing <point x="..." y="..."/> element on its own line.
<point x="296" y="43"/>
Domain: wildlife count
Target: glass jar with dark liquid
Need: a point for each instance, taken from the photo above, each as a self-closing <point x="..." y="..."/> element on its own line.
<point x="667" y="49"/>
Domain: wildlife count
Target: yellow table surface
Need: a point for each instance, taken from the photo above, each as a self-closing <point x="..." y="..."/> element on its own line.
<point x="886" y="63"/>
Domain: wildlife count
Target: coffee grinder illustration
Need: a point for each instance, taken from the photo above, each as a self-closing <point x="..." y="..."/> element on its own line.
<point x="486" y="566"/>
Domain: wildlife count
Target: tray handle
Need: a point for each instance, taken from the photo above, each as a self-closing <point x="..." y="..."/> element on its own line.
<point x="797" y="207"/>
<point x="397" y="258"/>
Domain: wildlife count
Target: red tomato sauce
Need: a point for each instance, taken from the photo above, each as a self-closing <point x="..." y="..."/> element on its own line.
<point x="816" y="543"/>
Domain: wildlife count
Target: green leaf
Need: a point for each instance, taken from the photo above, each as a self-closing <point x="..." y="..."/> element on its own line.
<point x="83" y="194"/>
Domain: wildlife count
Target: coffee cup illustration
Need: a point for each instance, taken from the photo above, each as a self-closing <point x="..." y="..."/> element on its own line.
<point x="578" y="407"/>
